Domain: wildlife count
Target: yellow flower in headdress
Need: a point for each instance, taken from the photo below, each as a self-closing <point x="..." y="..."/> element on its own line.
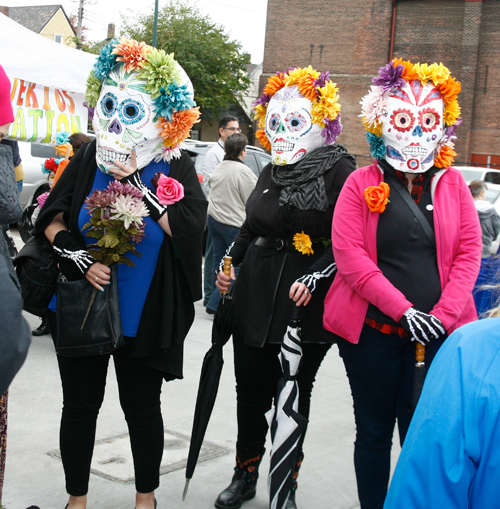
<point x="451" y="112"/>
<point x="438" y="73"/>
<point x="327" y="105"/>
<point x="294" y="76"/>
<point x="264" y="140"/>
<point x="303" y="243"/>
<point x="260" y="111"/>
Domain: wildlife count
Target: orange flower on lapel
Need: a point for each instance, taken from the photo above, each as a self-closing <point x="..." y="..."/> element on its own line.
<point x="377" y="197"/>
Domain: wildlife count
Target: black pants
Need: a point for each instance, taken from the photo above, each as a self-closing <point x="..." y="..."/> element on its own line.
<point x="380" y="371"/>
<point x="257" y="373"/>
<point x="83" y="382"/>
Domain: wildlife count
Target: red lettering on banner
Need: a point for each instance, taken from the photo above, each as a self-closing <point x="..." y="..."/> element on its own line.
<point x="71" y="105"/>
<point x="46" y="104"/>
<point x="22" y="89"/>
<point x="61" y="104"/>
<point x="31" y="96"/>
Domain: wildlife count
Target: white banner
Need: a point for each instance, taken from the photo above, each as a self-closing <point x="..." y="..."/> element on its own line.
<point x="40" y="112"/>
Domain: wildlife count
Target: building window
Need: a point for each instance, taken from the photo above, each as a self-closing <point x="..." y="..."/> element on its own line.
<point x="58" y="38"/>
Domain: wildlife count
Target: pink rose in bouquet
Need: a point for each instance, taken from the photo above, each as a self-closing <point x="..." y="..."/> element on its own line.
<point x="169" y="190"/>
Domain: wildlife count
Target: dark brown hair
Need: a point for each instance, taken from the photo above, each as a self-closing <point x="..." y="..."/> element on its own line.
<point x="234" y="146"/>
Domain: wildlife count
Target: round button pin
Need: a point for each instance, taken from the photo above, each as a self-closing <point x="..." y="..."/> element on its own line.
<point x="430" y="207"/>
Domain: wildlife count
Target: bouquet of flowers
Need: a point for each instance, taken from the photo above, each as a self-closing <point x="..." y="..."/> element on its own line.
<point x="116" y="222"/>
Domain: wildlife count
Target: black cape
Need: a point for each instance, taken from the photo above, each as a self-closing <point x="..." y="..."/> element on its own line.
<point x="168" y="312"/>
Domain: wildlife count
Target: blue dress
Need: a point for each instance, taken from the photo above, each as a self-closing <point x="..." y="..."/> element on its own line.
<point x="133" y="282"/>
<point x="451" y="455"/>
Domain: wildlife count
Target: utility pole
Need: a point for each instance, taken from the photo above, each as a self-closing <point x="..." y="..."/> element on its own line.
<point x="80" y="23"/>
<point x="155" y="25"/>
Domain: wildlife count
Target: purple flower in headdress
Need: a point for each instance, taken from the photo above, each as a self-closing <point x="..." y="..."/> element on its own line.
<point x="263" y="99"/>
<point x="332" y="130"/>
<point x="390" y="77"/>
<point x="90" y="110"/>
<point x="290" y="69"/>
<point x="320" y="81"/>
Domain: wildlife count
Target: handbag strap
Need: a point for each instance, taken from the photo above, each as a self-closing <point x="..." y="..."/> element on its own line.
<point x="400" y="188"/>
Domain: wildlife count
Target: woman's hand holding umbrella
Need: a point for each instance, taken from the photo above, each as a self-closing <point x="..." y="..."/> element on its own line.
<point x="223" y="282"/>
<point x="300" y="294"/>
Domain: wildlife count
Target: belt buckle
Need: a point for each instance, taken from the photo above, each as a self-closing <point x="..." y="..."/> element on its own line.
<point x="282" y="244"/>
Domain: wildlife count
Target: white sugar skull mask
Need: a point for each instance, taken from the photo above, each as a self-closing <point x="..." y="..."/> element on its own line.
<point x="413" y="126"/>
<point x="289" y="127"/>
<point x="124" y="120"/>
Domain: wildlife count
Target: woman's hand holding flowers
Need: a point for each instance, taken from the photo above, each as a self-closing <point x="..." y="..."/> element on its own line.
<point x="98" y="275"/>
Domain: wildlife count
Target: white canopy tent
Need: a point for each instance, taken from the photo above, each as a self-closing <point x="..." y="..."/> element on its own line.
<point x="31" y="57"/>
<point x="48" y="83"/>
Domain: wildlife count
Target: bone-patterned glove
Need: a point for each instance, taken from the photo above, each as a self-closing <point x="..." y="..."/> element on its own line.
<point x="71" y="251"/>
<point x="156" y="209"/>
<point x="422" y="326"/>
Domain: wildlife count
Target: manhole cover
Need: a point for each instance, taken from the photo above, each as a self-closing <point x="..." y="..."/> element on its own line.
<point x="113" y="458"/>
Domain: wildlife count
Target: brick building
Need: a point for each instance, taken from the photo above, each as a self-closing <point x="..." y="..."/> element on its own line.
<point x="353" y="38"/>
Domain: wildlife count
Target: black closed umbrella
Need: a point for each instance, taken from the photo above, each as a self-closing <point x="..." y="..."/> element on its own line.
<point x="286" y="423"/>
<point x="419" y="374"/>
<point x="224" y="321"/>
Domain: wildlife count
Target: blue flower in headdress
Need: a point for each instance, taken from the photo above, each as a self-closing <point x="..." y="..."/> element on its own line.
<point x="174" y="98"/>
<point x="61" y="137"/>
<point x="377" y="145"/>
<point x="105" y="61"/>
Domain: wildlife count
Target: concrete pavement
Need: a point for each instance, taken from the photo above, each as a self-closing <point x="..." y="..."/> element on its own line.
<point x="34" y="474"/>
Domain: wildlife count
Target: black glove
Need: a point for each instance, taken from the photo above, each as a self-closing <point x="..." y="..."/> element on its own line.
<point x="422" y="326"/>
<point x="156" y="209"/>
<point x="71" y="255"/>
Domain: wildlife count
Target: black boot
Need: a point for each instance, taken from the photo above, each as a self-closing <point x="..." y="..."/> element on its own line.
<point x="243" y="485"/>
<point x="43" y="328"/>
<point x="291" y="499"/>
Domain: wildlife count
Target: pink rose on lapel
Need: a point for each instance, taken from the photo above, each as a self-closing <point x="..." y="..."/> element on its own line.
<point x="169" y="190"/>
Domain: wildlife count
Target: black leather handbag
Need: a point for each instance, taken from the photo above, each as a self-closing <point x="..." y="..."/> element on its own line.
<point x="37" y="271"/>
<point x="101" y="332"/>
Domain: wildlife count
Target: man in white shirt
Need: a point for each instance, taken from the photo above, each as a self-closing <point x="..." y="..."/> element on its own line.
<point x="227" y="126"/>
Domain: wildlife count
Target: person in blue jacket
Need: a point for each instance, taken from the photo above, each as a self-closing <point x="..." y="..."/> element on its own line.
<point x="451" y="455"/>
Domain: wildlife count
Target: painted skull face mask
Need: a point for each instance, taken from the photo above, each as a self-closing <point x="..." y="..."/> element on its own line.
<point x="413" y="126"/>
<point x="410" y="114"/>
<point x="289" y="127"/>
<point x="298" y="113"/>
<point x="123" y="120"/>
<point x="141" y="99"/>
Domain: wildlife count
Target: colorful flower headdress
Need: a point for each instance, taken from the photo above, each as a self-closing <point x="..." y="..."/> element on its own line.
<point x="315" y="86"/>
<point x="174" y="105"/>
<point x="396" y="74"/>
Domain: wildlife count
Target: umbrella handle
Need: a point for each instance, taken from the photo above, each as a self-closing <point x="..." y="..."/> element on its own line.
<point x="420" y="353"/>
<point x="227" y="270"/>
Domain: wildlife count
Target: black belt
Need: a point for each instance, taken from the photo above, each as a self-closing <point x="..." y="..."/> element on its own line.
<point x="271" y="243"/>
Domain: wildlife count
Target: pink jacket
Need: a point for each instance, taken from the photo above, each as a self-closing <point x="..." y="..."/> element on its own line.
<point x="359" y="280"/>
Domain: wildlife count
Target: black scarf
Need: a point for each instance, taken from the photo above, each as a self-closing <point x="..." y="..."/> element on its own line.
<point x="303" y="184"/>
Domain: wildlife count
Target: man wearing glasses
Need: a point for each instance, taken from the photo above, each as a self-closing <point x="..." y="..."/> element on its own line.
<point x="227" y="126"/>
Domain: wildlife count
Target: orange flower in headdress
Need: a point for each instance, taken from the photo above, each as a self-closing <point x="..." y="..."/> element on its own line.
<point x="409" y="72"/>
<point x="449" y="90"/>
<point x="179" y="128"/>
<point x="131" y="52"/>
<point x="444" y="158"/>
<point x="261" y="136"/>
<point x="307" y="88"/>
<point x="274" y="84"/>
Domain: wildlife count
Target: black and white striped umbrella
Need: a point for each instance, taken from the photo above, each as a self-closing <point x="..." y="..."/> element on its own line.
<point x="286" y="424"/>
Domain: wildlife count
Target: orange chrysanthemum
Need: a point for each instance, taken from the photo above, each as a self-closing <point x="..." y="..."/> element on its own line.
<point x="307" y="88"/>
<point x="274" y="84"/>
<point x="264" y="141"/>
<point x="63" y="149"/>
<point x="178" y="129"/>
<point x="131" y="52"/>
<point x="444" y="158"/>
<point x="409" y="72"/>
<point x="449" y="90"/>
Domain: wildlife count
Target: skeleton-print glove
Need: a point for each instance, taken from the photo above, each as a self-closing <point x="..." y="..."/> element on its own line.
<point x="422" y="326"/>
<point x="71" y="253"/>
<point x="311" y="280"/>
<point x="156" y="209"/>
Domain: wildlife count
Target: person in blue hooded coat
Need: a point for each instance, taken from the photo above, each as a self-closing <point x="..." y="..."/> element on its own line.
<point x="451" y="455"/>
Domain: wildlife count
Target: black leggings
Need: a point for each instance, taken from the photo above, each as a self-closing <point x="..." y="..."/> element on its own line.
<point x="257" y="373"/>
<point x="83" y="381"/>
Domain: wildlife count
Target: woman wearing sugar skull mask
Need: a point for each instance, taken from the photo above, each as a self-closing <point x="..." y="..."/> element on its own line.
<point x="290" y="207"/>
<point x="142" y="114"/>
<point x="407" y="245"/>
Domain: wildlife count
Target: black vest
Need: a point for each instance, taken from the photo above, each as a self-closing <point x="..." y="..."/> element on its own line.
<point x="405" y="255"/>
